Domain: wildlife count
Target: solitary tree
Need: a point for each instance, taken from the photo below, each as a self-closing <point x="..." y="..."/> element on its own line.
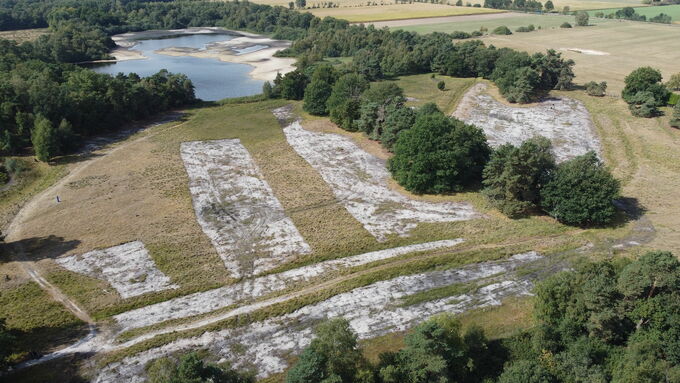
<point x="441" y="85"/>
<point x="45" y="140"/>
<point x="582" y="18"/>
<point x="581" y="192"/>
<point x="549" y="6"/>
<point x="645" y="79"/>
<point x="301" y="3"/>
<point x="674" y="82"/>
<point x="596" y="89"/>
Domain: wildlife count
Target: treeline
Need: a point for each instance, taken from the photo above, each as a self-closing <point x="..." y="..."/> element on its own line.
<point x="52" y="106"/>
<point x="629" y="13"/>
<point x="612" y="321"/>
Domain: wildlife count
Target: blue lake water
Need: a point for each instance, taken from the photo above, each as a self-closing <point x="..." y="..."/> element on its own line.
<point x="212" y="79"/>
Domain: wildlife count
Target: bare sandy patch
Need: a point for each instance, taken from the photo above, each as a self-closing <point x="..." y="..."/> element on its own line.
<point x="359" y="181"/>
<point x="590" y="52"/>
<point x="204" y="302"/>
<point x="237" y="209"/>
<point x="564" y="121"/>
<point x="127" y="267"/>
<point x="372" y="311"/>
<point x="254" y="50"/>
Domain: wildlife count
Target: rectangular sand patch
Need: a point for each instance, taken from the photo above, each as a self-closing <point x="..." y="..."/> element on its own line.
<point x="237" y="209"/>
<point x="359" y="181"/>
<point x="128" y="268"/>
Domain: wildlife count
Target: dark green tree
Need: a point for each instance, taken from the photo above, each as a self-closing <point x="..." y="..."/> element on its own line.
<point x="514" y="176"/>
<point x="344" y="102"/>
<point x="399" y="118"/>
<point x="333" y="356"/>
<point x="582" y="18"/>
<point x="581" y="192"/>
<point x="293" y="85"/>
<point x="441" y="85"/>
<point x="525" y="371"/>
<point x="45" y="139"/>
<point x="439" y="154"/>
<point x="267" y="89"/>
<point x="549" y="6"/>
<point x="645" y="79"/>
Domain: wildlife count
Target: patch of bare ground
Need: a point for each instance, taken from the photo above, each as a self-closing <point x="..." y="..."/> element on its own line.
<point x="564" y="121"/>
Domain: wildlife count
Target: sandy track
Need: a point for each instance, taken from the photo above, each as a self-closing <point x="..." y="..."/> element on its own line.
<point x="37" y="203"/>
<point x="372" y="310"/>
<point x="359" y="181"/>
<point x="207" y="301"/>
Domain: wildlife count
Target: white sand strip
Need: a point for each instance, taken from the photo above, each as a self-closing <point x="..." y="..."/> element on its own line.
<point x="205" y="302"/>
<point x="359" y="181"/>
<point x="237" y="209"/>
<point x="564" y="121"/>
<point x="128" y="268"/>
<point x="371" y="310"/>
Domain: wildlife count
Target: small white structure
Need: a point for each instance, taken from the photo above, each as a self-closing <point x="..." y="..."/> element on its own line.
<point x="128" y="268"/>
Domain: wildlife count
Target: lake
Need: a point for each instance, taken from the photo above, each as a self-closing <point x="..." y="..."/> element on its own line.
<point x="212" y="79"/>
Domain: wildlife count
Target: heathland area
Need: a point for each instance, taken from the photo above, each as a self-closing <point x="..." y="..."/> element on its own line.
<point x="399" y="206"/>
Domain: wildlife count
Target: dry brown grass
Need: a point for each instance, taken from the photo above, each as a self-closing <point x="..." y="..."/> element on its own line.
<point x="629" y="44"/>
<point x="23" y="35"/>
<point x="359" y="14"/>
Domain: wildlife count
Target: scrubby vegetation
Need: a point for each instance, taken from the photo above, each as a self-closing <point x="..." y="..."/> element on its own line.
<point x="190" y="368"/>
<point x="644" y="92"/>
<point x="596" y="89"/>
<point x="602" y="322"/>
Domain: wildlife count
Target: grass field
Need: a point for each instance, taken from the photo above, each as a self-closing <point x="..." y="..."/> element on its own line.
<point x="474" y="23"/>
<point x="672" y="10"/>
<point x="627" y="45"/>
<point x="398" y="12"/>
<point x="578" y="5"/>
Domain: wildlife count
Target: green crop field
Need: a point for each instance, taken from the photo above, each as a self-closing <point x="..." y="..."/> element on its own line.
<point x="671" y="10"/>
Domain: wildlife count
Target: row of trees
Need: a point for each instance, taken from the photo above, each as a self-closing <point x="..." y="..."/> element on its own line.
<point x="602" y="322"/>
<point x="629" y="13"/>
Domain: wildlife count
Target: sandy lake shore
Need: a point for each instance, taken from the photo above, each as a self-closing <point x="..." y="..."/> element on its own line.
<point x="246" y="48"/>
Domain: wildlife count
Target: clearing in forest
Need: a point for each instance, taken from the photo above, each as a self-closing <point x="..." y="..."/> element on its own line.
<point x="237" y="209"/>
<point x="564" y="121"/>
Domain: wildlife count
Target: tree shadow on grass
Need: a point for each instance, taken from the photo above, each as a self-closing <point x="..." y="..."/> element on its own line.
<point x="37" y="248"/>
<point x="62" y="370"/>
<point x="92" y="144"/>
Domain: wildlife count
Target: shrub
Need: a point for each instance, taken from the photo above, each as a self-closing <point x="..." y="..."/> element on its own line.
<point x="675" y="118"/>
<point x="581" y="192"/>
<point x="661" y="18"/>
<point x="529" y="28"/>
<point x="674" y="82"/>
<point x="513" y="177"/>
<point x="565" y="25"/>
<point x="459" y="35"/>
<point x="582" y="18"/>
<point x="673" y="99"/>
<point x="502" y="30"/>
<point x="595" y="89"/>
<point x="644" y="91"/>
<point x="476" y="33"/>
<point x="439" y="154"/>
<point x="441" y="85"/>
<point x="14" y="166"/>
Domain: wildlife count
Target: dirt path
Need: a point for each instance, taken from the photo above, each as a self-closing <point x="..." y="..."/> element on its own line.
<point x="14" y="229"/>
